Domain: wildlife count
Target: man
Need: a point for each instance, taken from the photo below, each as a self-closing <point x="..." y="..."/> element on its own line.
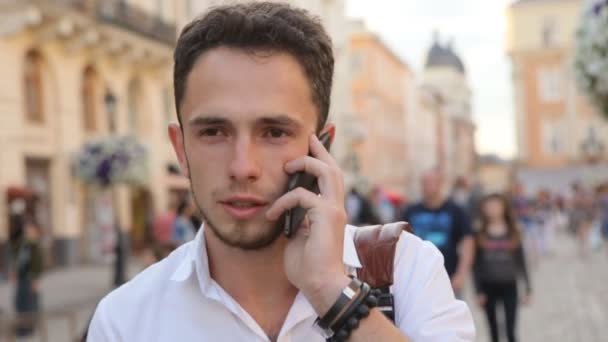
<point x="446" y="225"/>
<point x="252" y="86"/>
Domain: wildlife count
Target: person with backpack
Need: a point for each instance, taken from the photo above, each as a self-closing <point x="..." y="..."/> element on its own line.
<point x="252" y="89"/>
<point x="499" y="264"/>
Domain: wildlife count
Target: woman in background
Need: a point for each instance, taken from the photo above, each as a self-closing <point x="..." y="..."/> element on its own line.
<point x="28" y="269"/>
<point x="499" y="264"/>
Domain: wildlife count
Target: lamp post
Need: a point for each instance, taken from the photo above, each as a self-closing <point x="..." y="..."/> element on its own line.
<point x="110" y="103"/>
<point x="592" y="149"/>
<point x="437" y="101"/>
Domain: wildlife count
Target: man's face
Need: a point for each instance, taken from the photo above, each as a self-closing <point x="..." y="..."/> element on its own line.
<point x="243" y="116"/>
<point x="431" y="185"/>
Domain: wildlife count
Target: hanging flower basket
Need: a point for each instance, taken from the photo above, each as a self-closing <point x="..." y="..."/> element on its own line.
<point x="591" y="57"/>
<point x="112" y="160"/>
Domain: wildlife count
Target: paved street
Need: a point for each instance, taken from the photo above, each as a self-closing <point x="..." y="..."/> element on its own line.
<point x="70" y="295"/>
<point x="570" y="300"/>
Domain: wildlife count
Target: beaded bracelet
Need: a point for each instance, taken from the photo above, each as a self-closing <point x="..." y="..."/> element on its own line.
<point x="359" y="310"/>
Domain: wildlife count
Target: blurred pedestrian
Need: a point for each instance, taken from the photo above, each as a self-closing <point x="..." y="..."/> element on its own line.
<point x="446" y="225"/>
<point x="602" y="202"/>
<point x="162" y="225"/>
<point x="524" y="209"/>
<point x="28" y="269"/>
<point x="582" y="216"/>
<point x="183" y="231"/>
<point x="499" y="264"/>
<point x="382" y="205"/>
<point x="466" y="196"/>
<point x="359" y="209"/>
<point x="544" y="216"/>
<point x="195" y="215"/>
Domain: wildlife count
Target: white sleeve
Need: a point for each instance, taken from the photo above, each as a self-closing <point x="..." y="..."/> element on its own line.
<point x="425" y="306"/>
<point x="100" y="328"/>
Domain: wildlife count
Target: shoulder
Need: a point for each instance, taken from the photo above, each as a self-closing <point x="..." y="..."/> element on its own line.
<point x="452" y="206"/>
<point x="412" y="252"/>
<point x="425" y="306"/>
<point x="413" y="208"/>
<point x="125" y="304"/>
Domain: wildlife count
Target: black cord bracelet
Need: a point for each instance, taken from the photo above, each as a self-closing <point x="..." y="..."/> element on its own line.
<point x="359" y="310"/>
<point x="347" y="296"/>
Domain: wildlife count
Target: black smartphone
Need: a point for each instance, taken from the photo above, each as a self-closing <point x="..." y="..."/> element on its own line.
<point x="295" y="216"/>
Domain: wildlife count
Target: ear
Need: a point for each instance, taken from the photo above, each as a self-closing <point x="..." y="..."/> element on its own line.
<point x="177" y="140"/>
<point x="331" y="129"/>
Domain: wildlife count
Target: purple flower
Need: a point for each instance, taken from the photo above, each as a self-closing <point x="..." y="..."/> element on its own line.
<point x="597" y="7"/>
<point x="103" y="171"/>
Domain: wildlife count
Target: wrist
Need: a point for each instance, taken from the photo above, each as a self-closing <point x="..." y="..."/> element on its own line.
<point x="325" y="292"/>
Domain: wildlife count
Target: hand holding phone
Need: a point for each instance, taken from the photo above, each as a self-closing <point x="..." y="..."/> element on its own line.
<point x="294" y="217"/>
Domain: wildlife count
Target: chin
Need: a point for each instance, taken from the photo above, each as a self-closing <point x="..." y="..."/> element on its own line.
<point x="253" y="235"/>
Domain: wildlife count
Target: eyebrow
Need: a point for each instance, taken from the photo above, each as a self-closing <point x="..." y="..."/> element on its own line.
<point x="272" y="119"/>
<point x="208" y="120"/>
<point x="279" y="120"/>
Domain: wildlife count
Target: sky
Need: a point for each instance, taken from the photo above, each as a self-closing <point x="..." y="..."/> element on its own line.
<point x="478" y="31"/>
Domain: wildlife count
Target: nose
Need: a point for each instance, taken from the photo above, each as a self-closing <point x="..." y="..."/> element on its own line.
<point x="244" y="165"/>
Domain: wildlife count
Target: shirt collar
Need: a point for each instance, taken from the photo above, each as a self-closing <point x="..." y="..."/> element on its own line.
<point x="195" y="257"/>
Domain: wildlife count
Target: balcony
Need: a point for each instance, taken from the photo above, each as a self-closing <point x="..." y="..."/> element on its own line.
<point x="131" y="18"/>
<point x="117" y="13"/>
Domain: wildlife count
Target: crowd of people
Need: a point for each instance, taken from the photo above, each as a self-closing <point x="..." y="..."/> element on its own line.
<point x="491" y="238"/>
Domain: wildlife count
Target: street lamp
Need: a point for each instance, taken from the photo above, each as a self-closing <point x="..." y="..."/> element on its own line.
<point x="119" y="246"/>
<point x="110" y="102"/>
<point x="592" y="147"/>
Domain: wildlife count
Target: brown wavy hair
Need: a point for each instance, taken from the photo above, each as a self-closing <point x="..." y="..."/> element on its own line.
<point x="260" y="27"/>
<point x="513" y="230"/>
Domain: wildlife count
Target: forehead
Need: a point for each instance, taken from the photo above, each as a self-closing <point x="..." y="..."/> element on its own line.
<point x="244" y="85"/>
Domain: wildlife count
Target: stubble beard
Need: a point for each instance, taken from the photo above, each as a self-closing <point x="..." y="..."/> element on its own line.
<point x="264" y="240"/>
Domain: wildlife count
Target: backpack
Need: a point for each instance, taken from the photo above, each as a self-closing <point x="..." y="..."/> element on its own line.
<point x="376" y="246"/>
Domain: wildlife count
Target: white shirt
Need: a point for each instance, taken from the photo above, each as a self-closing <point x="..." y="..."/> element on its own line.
<point x="177" y="300"/>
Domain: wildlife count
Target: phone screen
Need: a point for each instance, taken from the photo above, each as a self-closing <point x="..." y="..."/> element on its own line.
<point x="294" y="216"/>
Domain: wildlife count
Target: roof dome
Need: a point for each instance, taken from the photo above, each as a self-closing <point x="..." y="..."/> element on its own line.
<point x="443" y="55"/>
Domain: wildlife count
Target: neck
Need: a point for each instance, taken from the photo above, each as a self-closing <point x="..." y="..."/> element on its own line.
<point x="254" y="278"/>
<point x="433" y="202"/>
<point x="497" y="227"/>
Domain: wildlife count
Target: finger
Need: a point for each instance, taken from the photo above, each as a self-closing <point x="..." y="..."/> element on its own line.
<point x="329" y="180"/>
<point x="297" y="197"/>
<point x="320" y="152"/>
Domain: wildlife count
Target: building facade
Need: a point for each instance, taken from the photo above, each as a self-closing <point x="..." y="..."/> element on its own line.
<point x="380" y="84"/>
<point x="556" y="126"/>
<point x="78" y="70"/>
<point x="440" y="127"/>
<point x="61" y="61"/>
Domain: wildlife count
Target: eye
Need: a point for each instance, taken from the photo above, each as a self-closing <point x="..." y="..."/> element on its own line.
<point x="210" y="132"/>
<point x="275" y="133"/>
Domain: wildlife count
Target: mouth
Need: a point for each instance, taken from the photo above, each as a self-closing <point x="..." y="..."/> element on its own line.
<point x="243" y="207"/>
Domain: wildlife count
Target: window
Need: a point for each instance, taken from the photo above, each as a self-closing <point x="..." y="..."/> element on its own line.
<point x="549" y="32"/>
<point x="34" y="104"/>
<point x="89" y="99"/>
<point x="133" y="98"/>
<point x="550" y="84"/>
<point x="552" y="137"/>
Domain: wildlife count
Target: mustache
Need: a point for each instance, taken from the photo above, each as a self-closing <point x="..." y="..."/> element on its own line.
<point x="247" y="189"/>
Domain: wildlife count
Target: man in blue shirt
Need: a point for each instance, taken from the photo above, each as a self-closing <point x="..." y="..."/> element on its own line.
<point x="442" y="222"/>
